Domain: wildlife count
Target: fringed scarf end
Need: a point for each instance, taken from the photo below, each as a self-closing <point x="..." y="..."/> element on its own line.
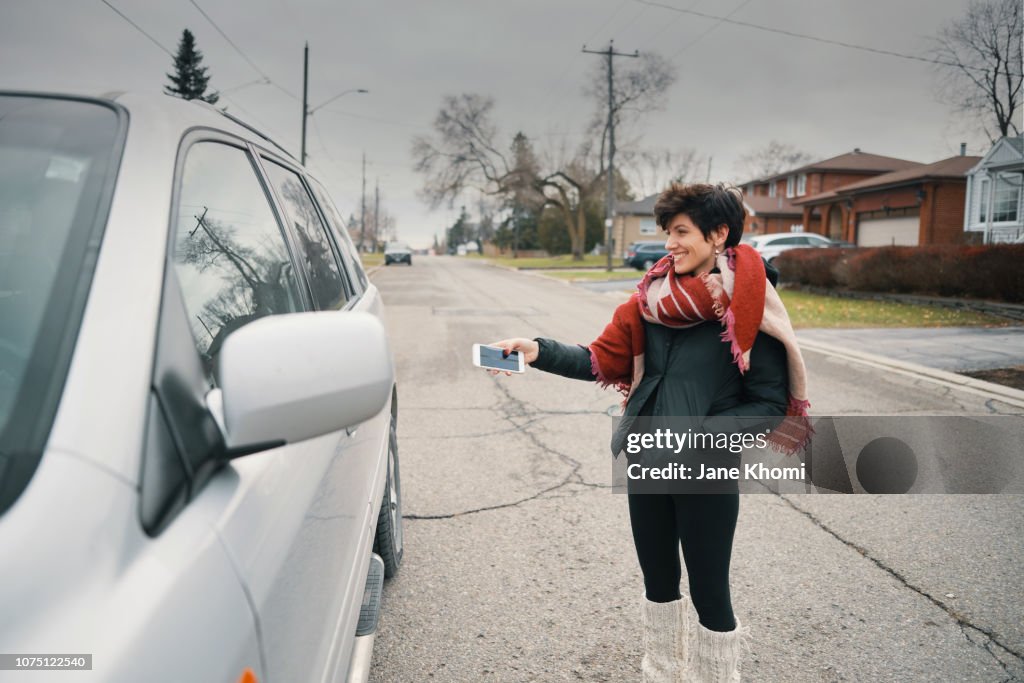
<point x="602" y="380"/>
<point x="795" y="431"/>
<point x="739" y="357"/>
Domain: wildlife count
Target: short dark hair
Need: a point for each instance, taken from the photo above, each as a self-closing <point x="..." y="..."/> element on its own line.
<point x="708" y="206"/>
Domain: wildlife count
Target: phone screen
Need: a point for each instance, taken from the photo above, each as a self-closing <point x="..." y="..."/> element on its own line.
<point x="491" y="357"/>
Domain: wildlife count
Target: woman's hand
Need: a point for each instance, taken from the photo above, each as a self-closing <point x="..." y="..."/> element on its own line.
<point x="528" y="347"/>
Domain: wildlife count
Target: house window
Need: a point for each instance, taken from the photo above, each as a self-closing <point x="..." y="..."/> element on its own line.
<point x="801" y="184"/>
<point x="796" y="227"/>
<point x="648" y="226"/>
<point x="983" y="200"/>
<point x="771" y="189"/>
<point x="790" y="186"/>
<point x="1006" y="199"/>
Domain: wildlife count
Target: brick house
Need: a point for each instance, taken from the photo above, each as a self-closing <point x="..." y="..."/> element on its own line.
<point x="785" y="190"/>
<point x="922" y="204"/>
<point x="770" y="214"/>
<point x="994" y="208"/>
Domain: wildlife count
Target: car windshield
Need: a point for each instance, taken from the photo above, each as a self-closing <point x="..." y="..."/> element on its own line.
<point x="57" y="158"/>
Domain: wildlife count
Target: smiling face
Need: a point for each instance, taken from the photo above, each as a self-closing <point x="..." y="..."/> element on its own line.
<point x="692" y="253"/>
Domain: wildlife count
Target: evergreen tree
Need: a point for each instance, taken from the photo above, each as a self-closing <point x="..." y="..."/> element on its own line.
<point x="189" y="78"/>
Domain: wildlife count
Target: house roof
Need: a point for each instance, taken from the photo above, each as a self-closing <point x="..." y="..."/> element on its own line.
<point x="641" y="207"/>
<point x="815" y="198"/>
<point x="953" y="167"/>
<point x="1007" y="154"/>
<point x="854" y="162"/>
<point x="763" y="205"/>
<point x="858" y="161"/>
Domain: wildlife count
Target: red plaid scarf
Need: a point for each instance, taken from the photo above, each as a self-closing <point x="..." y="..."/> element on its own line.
<point x="739" y="297"/>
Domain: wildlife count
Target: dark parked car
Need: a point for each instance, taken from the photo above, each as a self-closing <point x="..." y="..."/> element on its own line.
<point x="643" y="255"/>
<point x="396" y="252"/>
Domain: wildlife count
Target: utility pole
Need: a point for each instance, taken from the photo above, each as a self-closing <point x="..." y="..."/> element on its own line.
<point x="609" y="220"/>
<point x="306" y="111"/>
<point x="362" y="212"/>
<point x="305" y="99"/>
<point x="376" y="213"/>
<point x="708" y="179"/>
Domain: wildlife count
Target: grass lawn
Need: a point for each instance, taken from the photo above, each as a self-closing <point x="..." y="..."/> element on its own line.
<point x="371" y="260"/>
<point x="564" y="261"/>
<point x="814" y="310"/>
<point x="627" y="274"/>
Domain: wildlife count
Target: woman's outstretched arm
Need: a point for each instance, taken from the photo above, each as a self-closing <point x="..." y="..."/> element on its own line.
<point x="551" y="356"/>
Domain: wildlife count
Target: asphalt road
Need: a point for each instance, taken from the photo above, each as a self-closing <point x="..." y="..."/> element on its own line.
<point x="519" y="564"/>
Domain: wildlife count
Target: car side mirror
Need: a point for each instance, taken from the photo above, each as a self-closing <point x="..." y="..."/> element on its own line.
<point x="287" y="378"/>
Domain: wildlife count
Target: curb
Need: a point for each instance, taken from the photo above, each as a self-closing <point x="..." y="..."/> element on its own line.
<point x="1009" y="395"/>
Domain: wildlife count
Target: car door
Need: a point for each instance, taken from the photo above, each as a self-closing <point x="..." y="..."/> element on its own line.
<point x="283" y="514"/>
<point x="337" y="546"/>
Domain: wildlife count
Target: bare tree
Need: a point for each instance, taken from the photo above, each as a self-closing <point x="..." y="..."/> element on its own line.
<point x="650" y="171"/>
<point x="465" y="153"/>
<point x="773" y="158"/>
<point x="982" y="52"/>
<point x="637" y="90"/>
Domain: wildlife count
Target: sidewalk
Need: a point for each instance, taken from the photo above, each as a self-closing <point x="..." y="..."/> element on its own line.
<point x="955" y="349"/>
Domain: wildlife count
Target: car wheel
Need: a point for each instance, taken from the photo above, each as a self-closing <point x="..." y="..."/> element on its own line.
<point x="390" y="542"/>
<point x="648" y="264"/>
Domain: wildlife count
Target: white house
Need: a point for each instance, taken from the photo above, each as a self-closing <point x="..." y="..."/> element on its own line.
<point x="994" y="193"/>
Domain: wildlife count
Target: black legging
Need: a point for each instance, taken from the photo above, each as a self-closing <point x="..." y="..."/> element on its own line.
<point x="704" y="524"/>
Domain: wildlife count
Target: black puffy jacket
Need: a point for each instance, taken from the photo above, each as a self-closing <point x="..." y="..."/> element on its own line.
<point x="690" y="372"/>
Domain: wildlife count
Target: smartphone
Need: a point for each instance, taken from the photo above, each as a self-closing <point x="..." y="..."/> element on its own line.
<point x="492" y="357"/>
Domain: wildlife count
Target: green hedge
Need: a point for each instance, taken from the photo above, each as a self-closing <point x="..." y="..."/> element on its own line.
<point x="993" y="272"/>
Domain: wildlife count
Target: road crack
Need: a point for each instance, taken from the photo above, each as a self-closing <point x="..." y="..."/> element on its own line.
<point x="960" y="620"/>
<point x="520" y="410"/>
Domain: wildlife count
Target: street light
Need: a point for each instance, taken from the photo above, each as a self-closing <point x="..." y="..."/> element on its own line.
<point x="344" y="92"/>
<point x="306" y="111"/>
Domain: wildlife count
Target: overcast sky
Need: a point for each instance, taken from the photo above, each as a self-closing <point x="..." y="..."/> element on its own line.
<point x="736" y="89"/>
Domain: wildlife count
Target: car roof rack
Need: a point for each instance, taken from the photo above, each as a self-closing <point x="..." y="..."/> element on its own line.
<point x="248" y="127"/>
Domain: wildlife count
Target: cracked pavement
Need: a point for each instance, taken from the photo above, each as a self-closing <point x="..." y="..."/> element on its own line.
<point x="519" y="564"/>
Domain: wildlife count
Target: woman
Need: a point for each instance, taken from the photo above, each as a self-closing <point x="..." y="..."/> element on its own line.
<point x="664" y="349"/>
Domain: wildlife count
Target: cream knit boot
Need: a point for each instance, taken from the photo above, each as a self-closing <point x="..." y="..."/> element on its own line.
<point x="715" y="655"/>
<point x="666" y="635"/>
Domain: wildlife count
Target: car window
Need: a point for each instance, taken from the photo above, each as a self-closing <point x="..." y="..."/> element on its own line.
<point x="326" y="277"/>
<point x="785" y="242"/>
<point x="58" y="162"/>
<point x="230" y="255"/>
<point x="816" y="241"/>
<point x="357" y="276"/>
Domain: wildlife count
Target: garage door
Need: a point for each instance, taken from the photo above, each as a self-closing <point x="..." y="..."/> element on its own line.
<point x="881" y="232"/>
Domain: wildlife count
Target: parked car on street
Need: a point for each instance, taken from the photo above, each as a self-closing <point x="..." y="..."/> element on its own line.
<point x="199" y="471"/>
<point x="771" y="245"/>
<point x="643" y="255"/>
<point x="397" y="252"/>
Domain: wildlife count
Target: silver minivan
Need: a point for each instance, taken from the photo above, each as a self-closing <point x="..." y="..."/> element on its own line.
<point x="198" y="459"/>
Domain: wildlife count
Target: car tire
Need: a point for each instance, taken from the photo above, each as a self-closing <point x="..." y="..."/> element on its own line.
<point x="648" y="264"/>
<point x="389" y="542"/>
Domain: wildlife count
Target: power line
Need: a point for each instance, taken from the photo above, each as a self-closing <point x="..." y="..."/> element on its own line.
<point x="794" y="34"/>
<point x="374" y="119"/>
<point x="138" y="28"/>
<point x="240" y="52"/>
<point x="696" y="40"/>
